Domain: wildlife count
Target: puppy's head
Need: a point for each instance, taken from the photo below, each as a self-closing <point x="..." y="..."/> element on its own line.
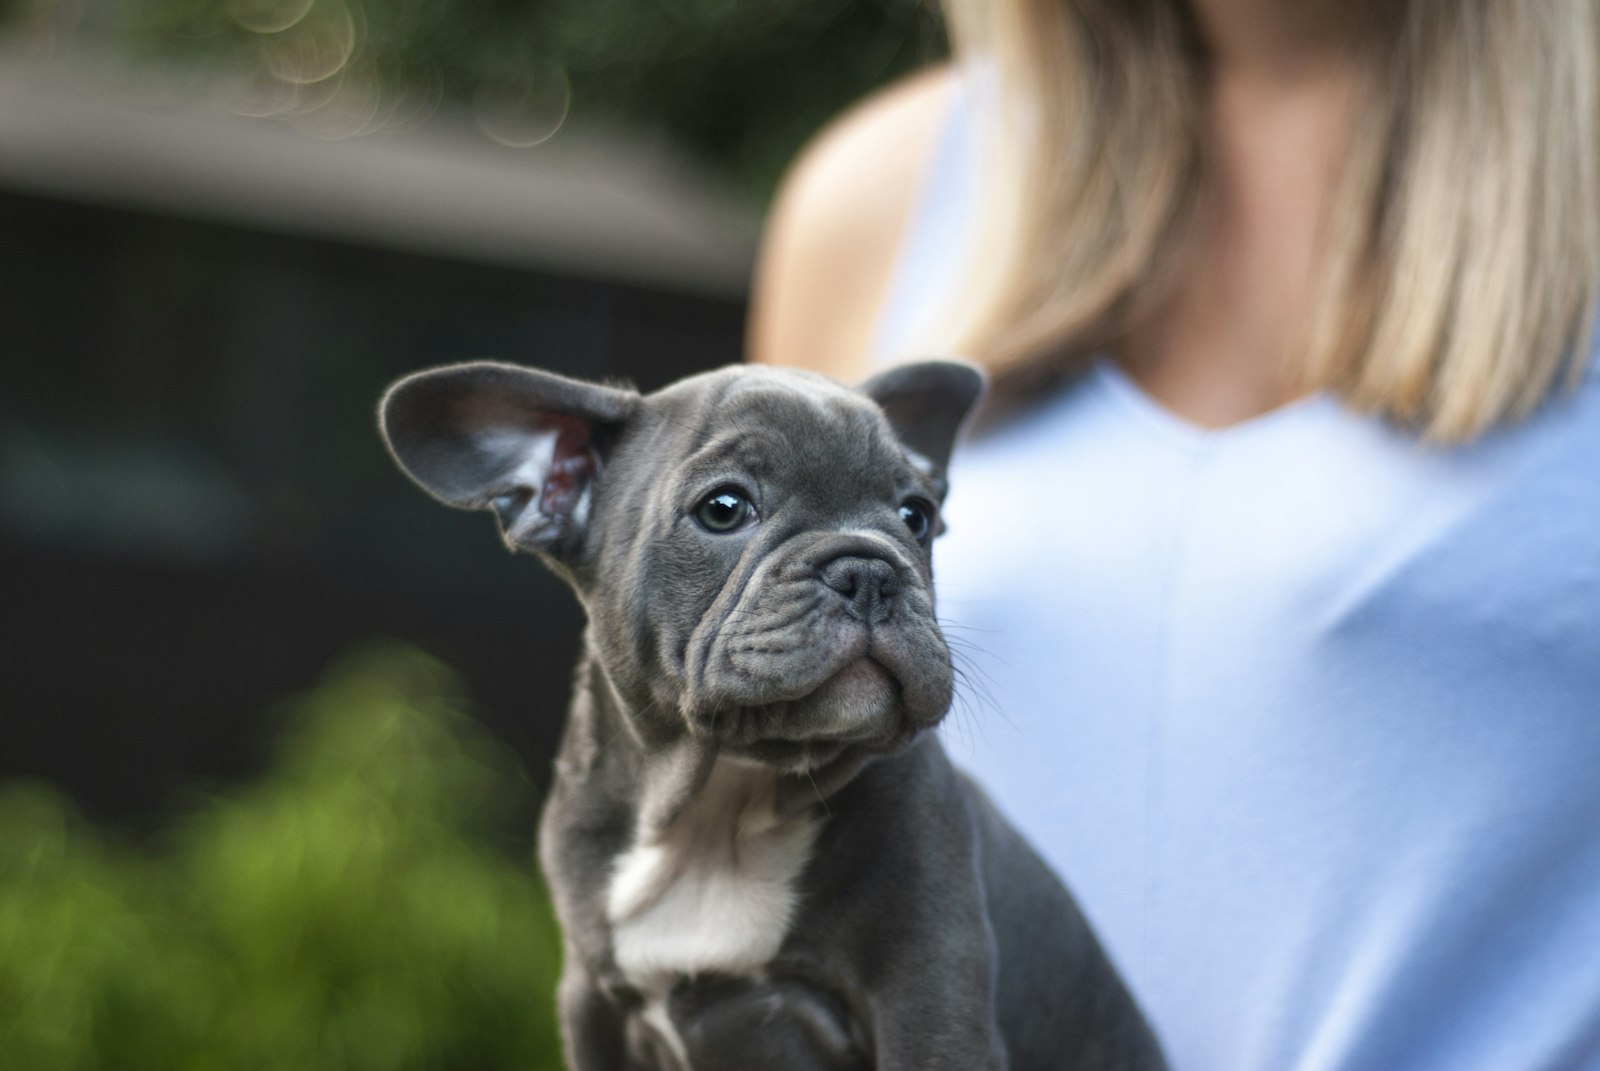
<point x="751" y="545"/>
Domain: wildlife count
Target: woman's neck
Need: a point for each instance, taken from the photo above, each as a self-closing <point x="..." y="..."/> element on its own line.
<point x="1214" y="349"/>
<point x="1277" y="42"/>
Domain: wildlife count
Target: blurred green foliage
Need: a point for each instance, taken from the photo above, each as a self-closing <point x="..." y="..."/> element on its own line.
<point x="356" y="909"/>
<point x="741" y="82"/>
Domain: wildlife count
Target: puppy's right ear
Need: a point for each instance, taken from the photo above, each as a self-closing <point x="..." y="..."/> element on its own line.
<point x="524" y="443"/>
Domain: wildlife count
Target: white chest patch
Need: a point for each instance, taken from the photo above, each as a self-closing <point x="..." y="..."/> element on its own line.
<point x="716" y="891"/>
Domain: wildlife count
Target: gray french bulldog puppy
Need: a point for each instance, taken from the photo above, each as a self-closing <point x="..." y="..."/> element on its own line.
<point x="760" y="858"/>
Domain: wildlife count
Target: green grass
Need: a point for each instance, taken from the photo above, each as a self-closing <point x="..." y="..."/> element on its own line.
<point x="356" y="908"/>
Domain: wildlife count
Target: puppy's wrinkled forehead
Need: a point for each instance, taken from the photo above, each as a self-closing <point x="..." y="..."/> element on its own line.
<point x="772" y="423"/>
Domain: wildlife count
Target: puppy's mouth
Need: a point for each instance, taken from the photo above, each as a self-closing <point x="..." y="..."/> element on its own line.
<point x="791" y="756"/>
<point x="859" y="706"/>
<point x="856" y="694"/>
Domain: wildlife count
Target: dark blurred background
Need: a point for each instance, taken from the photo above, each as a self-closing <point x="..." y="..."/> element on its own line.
<point x="226" y="224"/>
<point x="249" y="815"/>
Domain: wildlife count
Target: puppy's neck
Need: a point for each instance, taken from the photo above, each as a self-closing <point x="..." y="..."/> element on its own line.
<point x="659" y="771"/>
<point x="606" y="750"/>
<point x="707" y="878"/>
<point x="714" y="891"/>
<point x="733" y="807"/>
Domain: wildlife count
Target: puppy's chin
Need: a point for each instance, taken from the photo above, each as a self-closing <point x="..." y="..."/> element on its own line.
<point x="860" y="706"/>
<point x="860" y="701"/>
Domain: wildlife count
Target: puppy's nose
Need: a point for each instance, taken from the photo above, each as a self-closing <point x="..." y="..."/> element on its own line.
<point x="868" y="586"/>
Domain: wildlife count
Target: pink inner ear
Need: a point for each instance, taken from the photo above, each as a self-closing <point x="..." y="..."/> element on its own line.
<point x="572" y="465"/>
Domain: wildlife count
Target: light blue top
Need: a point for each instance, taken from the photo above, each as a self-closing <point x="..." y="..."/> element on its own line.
<point x="1306" y="713"/>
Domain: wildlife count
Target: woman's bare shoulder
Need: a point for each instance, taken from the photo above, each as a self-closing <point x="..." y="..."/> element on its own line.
<point x="836" y="225"/>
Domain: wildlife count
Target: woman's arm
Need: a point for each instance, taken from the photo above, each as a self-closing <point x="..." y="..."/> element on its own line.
<point x="831" y="240"/>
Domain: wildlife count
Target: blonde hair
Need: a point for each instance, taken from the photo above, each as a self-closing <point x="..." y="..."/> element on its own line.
<point x="1461" y="250"/>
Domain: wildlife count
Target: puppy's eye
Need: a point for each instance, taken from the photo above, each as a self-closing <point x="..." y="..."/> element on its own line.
<point x="724" y="510"/>
<point x="918" y="516"/>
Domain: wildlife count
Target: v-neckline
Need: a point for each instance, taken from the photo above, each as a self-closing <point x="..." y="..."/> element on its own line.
<point x="1186" y="435"/>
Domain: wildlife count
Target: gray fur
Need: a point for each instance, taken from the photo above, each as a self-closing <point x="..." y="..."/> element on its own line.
<point x="803" y="648"/>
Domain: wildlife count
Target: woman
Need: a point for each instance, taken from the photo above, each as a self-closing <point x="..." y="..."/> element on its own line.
<point x="1279" y="556"/>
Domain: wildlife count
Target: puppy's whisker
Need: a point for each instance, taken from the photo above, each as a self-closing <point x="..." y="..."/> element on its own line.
<point x="973" y="684"/>
<point x="971" y="723"/>
<point x="969" y="657"/>
<point x="947" y="621"/>
<point x="966" y="643"/>
<point x="648" y="709"/>
<point x="965" y="709"/>
<point x="818" y="791"/>
<point x="967" y="669"/>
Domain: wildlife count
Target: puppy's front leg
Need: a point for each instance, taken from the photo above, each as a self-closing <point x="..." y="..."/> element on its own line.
<point x="937" y="1012"/>
<point x="592" y="1026"/>
<point x="897" y="887"/>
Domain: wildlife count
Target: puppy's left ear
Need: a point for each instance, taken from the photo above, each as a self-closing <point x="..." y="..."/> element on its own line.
<point x="926" y="403"/>
<point x="525" y="443"/>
